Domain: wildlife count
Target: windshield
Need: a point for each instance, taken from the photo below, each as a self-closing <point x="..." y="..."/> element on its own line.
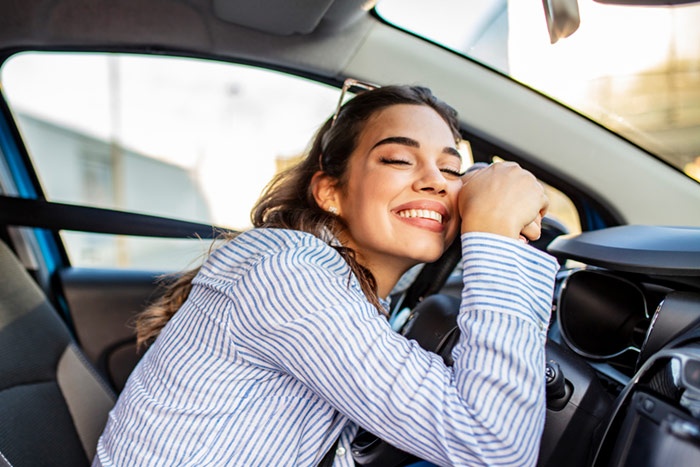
<point x="634" y="70"/>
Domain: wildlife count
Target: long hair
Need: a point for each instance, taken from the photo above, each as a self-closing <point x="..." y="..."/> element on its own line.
<point x="288" y="201"/>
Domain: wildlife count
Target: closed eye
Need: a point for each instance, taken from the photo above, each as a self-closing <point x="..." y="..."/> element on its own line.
<point x="386" y="160"/>
<point x="445" y="170"/>
<point x="453" y="172"/>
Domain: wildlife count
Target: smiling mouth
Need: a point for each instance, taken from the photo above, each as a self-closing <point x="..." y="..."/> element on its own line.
<point x="422" y="214"/>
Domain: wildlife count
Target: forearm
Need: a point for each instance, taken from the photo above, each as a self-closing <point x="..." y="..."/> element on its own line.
<point x="499" y="361"/>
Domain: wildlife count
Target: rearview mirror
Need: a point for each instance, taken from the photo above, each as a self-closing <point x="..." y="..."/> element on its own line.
<point x="562" y="18"/>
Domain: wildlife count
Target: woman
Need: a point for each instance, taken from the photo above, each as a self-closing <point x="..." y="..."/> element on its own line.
<point x="282" y="346"/>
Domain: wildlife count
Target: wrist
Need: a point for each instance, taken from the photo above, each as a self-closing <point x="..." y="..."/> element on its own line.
<point x="498" y="228"/>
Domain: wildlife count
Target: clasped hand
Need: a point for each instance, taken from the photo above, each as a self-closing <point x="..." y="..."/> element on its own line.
<point x="503" y="199"/>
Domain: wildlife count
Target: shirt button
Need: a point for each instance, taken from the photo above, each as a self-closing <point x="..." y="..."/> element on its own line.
<point x="340" y="452"/>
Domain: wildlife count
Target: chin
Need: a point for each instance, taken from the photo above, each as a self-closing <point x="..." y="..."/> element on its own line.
<point x="427" y="254"/>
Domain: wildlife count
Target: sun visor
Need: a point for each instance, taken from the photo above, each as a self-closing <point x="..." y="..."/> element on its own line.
<point x="282" y="17"/>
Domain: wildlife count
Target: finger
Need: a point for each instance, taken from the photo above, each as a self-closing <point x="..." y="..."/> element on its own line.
<point x="545" y="202"/>
<point x="473" y="170"/>
<point x="532" y="231"/>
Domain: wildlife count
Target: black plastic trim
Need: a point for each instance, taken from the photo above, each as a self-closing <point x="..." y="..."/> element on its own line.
<point x="24" y="212"/>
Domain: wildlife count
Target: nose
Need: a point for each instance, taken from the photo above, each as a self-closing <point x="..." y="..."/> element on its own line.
<point x="431" y="180"/>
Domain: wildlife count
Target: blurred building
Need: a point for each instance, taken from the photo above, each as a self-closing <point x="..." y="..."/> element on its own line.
<point x="86" y="170"/>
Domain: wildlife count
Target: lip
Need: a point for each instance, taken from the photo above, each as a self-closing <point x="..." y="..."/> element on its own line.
<point x="422" y="222"/>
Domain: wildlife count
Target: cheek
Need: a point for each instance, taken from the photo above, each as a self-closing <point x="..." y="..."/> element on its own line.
<point x="376" y="192"/>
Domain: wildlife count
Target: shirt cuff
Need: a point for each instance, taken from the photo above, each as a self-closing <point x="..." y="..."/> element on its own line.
<point x="504" y="275"/>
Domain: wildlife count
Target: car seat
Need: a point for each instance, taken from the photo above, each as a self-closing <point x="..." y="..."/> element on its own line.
<point x="53" y="404"/>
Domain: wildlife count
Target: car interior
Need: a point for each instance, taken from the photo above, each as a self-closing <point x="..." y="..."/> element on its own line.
<point x="623" y="349"/>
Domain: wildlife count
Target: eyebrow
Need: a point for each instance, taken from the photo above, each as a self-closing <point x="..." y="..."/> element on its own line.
<point x="404" y="141"/>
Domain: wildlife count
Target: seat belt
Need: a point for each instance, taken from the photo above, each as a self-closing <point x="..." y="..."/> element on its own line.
<point x="327" y="460"/>
<point x="431" y="278"/>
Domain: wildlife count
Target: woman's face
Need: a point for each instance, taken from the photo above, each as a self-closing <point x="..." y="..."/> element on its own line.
<point x="400" y="196"/>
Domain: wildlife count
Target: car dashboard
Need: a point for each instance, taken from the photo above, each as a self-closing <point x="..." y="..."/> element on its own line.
<point x="623" y="370"/>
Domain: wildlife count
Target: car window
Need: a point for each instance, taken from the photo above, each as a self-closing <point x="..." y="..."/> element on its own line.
<point x="175" y="137"/>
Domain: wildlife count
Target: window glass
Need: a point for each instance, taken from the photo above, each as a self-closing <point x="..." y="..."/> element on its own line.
<point x="562" y="209"/>
<point x="175" y="137"/>
<point x="156" y="254"/>
<point x="633" y="69"/>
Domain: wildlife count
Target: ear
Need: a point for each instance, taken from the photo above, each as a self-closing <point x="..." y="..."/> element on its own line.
<point x="325" y="191"/>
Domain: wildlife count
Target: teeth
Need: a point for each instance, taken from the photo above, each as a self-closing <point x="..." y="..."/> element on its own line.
<point x="422" y="213"/>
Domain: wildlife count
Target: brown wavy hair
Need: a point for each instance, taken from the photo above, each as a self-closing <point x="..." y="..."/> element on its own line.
<point x="288" y="201"/>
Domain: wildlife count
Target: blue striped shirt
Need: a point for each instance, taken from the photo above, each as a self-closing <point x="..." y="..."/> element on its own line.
<point x="277" y="352"/>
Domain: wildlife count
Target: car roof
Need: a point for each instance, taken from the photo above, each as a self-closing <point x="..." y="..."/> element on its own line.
<point x="317" y="36"/>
